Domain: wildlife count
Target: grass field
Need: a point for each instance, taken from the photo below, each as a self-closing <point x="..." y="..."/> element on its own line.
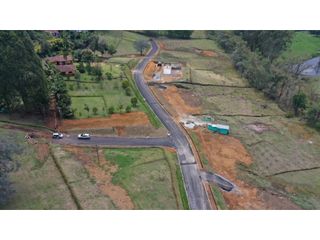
<point x="37" y="183"/>
<point x="303" y="45"/>
<point x="123" y="41"/>
<point x="148" y="175"/>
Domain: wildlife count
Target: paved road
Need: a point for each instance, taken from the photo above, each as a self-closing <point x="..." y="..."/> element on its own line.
<point x="117" y="141"/>
<point x="197" y="195"/>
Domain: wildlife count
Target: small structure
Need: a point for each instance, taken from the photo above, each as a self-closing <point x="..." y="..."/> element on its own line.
<point x="222" y="129"/>
<point x="167" y="69"/>
<point x="64" y="64"/>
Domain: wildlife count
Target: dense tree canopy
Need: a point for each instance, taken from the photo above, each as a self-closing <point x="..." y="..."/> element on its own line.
<point x="269" y="43"/>
<point x="22" y="79"/>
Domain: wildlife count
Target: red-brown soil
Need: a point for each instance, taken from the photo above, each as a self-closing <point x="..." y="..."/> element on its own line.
<point x="101" y="171"/>
<point x="116" y="120"/>
<point x="223" y="154"/>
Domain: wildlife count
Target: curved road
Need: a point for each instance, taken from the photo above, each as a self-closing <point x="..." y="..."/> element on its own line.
<point x="197" y="195"/>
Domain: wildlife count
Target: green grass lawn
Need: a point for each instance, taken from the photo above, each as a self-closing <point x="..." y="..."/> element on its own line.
<point x="304" y="45"/>
<point x="149" y="176"/>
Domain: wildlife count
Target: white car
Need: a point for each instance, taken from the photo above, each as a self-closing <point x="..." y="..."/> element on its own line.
<point x="84" y="136"/>
<point x="57" y="135"/>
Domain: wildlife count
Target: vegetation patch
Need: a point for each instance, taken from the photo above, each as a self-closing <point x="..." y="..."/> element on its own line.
<point x="147" y="177"/>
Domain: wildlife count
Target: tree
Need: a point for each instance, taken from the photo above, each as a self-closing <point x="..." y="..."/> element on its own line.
<point x="86" y="107"/>
<point x="128" y="109"/>
<point x="95" y="110"/>
<point x="128" y="91"/>
<point x="299" y="102"/>
<point x="111" y="110"/>
<point x="125" y="84"/>
<point x="141" y="45"/>
<point x="120" y="107"/>
<point x="112" y="49"/>
<point x="58" y="88"/>
<point x="313" y="116"/>
<point x="134" y="101"/>
<point x="183" y="34"/>
<point x="22" y="79"/>
<point x="87" y="55"/>
<point x="269" y="43"/>
<point x="81" y="68"/>
<point x="109" y="75"/>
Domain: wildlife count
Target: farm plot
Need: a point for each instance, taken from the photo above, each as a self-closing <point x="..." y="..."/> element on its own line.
<point x="283" y="151"/>
<point x="91" y="97"/>
<point x="210" y="77"/>
<point x="234" y="101"/>
<point x="150" y="177"/>
<point x="189" y="45"/>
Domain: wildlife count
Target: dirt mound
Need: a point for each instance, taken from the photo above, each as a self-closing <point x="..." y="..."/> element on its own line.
<point x="224" y="153"/>
<point x="102" y="172"/>
<point x="149" y="71"/>
<point x="116" y="120"/>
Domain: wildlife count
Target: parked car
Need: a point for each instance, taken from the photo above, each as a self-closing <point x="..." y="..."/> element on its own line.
<point x="85" y="136"/>
<point x="57" y="135"/>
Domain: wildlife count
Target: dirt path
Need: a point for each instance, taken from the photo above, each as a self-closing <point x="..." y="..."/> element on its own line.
<point x="224" y="153"/>
<point x="101" y="171"/>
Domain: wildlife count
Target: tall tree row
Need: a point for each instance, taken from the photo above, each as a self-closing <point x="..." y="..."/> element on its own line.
<point x="22" y="79"/>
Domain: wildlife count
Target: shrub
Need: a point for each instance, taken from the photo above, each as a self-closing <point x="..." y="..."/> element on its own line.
<point x="128" y="109"/>
<point x="109" y="75"/>
<point x="111" y="110"/>
<point x="95" y="110"/>
<point x="134" y="101"/>
<point x="128" y="91"/>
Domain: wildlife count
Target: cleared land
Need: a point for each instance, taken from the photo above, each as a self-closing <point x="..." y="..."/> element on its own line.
<point x="275" y="155"/>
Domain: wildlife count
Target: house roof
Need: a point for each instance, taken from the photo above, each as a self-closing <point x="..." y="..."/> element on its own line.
<point x="66" y="68"/>
<point x="59" y="58"/>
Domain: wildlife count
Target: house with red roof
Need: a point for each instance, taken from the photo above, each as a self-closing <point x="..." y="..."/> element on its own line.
<point x="64" y="64"/>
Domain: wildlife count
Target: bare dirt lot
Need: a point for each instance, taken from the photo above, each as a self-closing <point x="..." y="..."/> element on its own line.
<point x="179" y="102"/>
<point x="134" y="124"/>
<point x="224" y="153"/>
<point x="115" y="120"/>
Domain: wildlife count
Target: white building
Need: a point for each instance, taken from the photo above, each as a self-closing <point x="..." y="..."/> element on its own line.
<point x="167" y="70"/>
